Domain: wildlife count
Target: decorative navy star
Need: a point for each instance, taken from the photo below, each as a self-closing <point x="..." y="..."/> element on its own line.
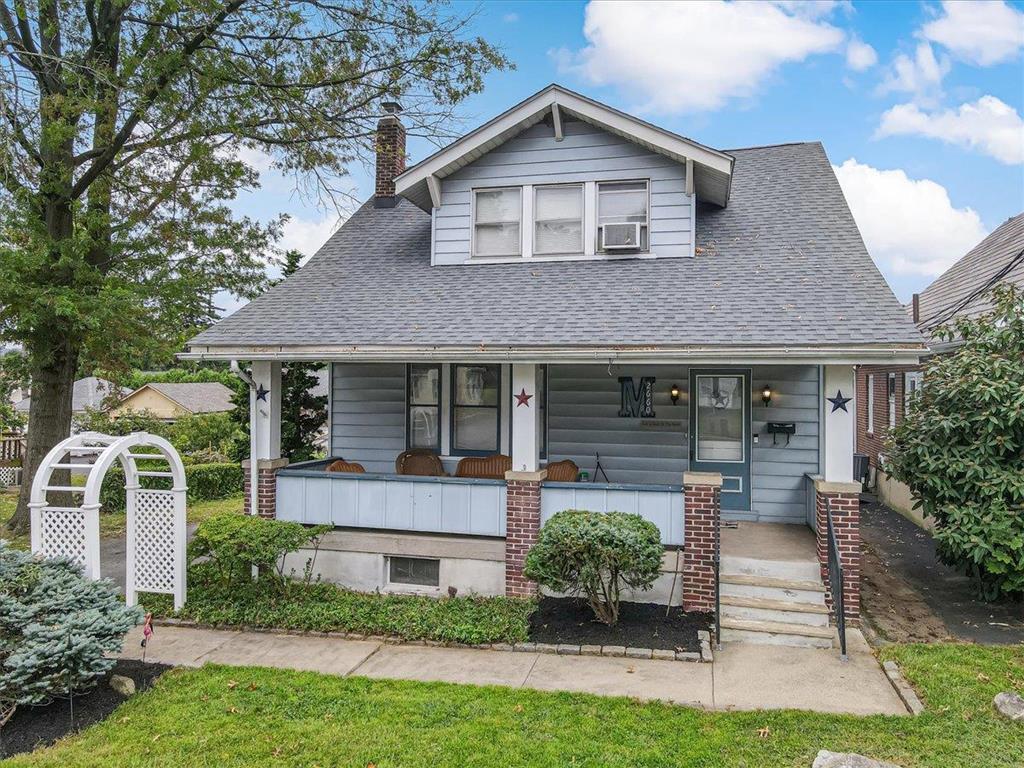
<point x="839" y="401"/>
<point x="261" y="393"/>
<point x="523" y="399"/>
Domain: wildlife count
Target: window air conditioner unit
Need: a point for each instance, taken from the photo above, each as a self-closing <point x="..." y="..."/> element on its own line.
<point x="620" y="237"/>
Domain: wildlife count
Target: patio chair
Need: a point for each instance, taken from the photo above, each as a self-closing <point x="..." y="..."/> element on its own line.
<point x="564" y="471"/>
<point x="420" y="461"/>
<point x="340" y="465"/>
<point x="484" y="467"/>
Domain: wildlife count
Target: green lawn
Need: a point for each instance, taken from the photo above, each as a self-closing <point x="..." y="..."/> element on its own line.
<point x="259" y="717"/>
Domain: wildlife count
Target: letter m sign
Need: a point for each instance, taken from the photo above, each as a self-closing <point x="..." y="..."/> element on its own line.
<point x="637" y="401"/>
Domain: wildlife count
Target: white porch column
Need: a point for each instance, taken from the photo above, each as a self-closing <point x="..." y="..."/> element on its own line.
<point x="525" y="418"/>
<point x="265" y="410"/>
<point x="840" y="425"/>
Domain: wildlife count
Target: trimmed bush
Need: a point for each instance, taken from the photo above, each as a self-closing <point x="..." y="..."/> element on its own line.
<point x="596" y="554"/>
<point x="56" y="628"/>
<point x="206" y="482"/>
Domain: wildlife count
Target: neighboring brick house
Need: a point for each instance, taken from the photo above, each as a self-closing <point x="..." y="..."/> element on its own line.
<point x="964" y="290"/>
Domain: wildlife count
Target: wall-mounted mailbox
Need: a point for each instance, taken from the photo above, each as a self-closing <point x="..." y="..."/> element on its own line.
<point x="776" y="428"/>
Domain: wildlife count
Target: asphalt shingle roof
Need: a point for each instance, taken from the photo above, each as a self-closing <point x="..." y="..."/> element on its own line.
<point x="782" y="265"/>
<point x="197" y="397"/>
<point x="90" y="392"/>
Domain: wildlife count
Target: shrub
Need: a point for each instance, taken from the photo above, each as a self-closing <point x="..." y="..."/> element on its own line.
<point x="56" y="628"/>
<point x="960" y="448"/>
<point x="204" y="432"/>
<point x="597" y="554"/>
<point x="235" y="544"/>
<point x="206" y="482"/>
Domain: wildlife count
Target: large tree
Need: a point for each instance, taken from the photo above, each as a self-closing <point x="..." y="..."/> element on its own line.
<point x="126" y="127"/>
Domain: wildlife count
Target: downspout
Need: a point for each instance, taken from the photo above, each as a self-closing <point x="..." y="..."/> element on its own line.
<point x="254" y="471"/>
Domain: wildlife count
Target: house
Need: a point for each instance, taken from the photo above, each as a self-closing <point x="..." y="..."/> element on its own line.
<point x="91" y="392"/>
<point x="884" y="391"/>
<point x="667" y="328"/>
<point x="171" y="401"/>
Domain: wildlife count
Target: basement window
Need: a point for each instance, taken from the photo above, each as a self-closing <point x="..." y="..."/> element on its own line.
<point x="415" y="571"/>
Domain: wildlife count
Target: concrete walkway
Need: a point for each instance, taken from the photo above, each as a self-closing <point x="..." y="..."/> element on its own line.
<point x="742" y="677"/>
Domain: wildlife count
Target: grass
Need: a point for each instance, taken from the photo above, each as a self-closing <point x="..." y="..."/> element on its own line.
<point x="324" y="607"/>
<point x="260" y="717"/>
<point x="114" y="523"/>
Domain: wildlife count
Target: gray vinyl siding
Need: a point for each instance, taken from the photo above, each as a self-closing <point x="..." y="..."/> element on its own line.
<point x="585" y="154"/>
<point x="368" y="413"/>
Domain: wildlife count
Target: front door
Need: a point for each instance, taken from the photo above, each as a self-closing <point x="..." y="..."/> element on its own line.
<point x="720" y="430"/>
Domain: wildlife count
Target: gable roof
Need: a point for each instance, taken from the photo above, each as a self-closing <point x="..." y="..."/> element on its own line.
<point x="89" y="392"/>
<point x="194" y="397"/>
<point x="712" y="168"/>
<point x="964" y="290"/>
<point x="782" y="267"/>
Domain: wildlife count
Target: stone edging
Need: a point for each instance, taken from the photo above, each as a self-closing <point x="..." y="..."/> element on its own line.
<point x="562" y="649"/>
<point x="902" y="687"/>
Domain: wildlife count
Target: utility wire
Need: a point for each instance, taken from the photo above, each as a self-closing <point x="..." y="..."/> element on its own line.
<point x="966" y="301"/>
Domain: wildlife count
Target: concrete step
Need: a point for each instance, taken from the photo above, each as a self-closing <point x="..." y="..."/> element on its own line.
<point x="779" y="611"/>
<point x="776" y="633"/>
<point x="792" y="570"/>
<point x="788" y="590"/>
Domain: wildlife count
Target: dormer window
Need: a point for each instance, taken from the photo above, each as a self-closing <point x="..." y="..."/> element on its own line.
<point x="558" y="219"/>
<point x="623" y="202"/>
<point x="497" y="216"/>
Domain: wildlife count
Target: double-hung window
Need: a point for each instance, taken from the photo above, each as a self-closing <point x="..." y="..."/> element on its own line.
<point x="476" y="417"/>
<point x="558" y="219"/>
<point x="497" y="215"/>
<point x="623" y="202"/>
<point x="423" y="395"/>
<point x="912" y="382"/>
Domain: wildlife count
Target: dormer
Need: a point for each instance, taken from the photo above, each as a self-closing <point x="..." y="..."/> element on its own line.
<point x="563" y="177"/>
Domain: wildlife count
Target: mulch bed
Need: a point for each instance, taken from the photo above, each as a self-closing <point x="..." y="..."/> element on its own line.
<point x="641" y="625"/>
<point x="33" y="727"/>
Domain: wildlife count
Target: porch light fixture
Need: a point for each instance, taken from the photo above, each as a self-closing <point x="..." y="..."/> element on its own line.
<point x="674" y="394"/>
<point x="766" y="394"/>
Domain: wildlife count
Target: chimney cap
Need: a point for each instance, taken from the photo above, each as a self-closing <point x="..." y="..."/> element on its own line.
<point x="391" y="107"/>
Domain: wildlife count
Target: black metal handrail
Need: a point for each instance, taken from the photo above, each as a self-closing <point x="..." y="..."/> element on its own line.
<point x="835" y="579"/>
<point x="718" y="563"/>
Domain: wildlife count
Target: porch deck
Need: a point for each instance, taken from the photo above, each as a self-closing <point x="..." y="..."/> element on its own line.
<point x="777" y="542"/>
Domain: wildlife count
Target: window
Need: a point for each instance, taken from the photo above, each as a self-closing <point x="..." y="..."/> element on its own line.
<point x="417" y="571"/>
<point x="891" y="391"/>
<point x="623" y="202"/>
<point x="558" y="219"/>
<point x="497" y="214"/>
<point x="475" y="413"/>
<point x="423" y="403"/>
<point x="871" y="404"/>
<point x="912" y="383"/>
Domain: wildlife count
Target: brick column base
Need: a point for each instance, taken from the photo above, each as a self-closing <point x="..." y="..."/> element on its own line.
<point x="522" y="524"/>
<point x="266" y="486"/>
<point x="845" y="502"/>
<point x="701" y="515"/>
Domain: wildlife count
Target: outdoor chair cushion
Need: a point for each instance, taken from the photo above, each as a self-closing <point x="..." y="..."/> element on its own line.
<point x="419" y="461"/>
<point x="486" y="467"/>
<point x="340" y="465"/>
<point x="564" y="471"/>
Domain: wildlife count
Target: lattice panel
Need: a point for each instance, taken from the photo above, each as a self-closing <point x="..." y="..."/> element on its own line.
<point x="63" y="533"/>
<point x="154" y="541"/>
<point x="8" y="476"/>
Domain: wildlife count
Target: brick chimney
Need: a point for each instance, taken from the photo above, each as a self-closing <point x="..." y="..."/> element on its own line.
<point x="390" y="154"/>
<point x="915" y="303"/>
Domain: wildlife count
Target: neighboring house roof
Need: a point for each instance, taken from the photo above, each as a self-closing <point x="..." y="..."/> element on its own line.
<point x="964" y="290"/>
<point x="89" y="392"/>
<point x="783" y="265"/>
<point x="712" y="167"/>
<point x="194" y="397"/>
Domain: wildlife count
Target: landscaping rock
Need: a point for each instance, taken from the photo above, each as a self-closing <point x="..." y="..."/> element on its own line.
<point x="826" y="759"/>
<point x="123" y="685"/>
<point x="1010" y="705"/>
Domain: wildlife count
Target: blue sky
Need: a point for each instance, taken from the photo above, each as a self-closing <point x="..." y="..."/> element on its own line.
<point x="918" y="104"/>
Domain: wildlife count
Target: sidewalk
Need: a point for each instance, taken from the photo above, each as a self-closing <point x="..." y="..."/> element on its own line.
<point x="742" y="677"/>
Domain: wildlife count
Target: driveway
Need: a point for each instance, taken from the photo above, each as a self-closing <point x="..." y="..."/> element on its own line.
<point x="907" y="552"/>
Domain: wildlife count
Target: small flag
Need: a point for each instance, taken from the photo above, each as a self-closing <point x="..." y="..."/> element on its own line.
<point x="147" y="632"/>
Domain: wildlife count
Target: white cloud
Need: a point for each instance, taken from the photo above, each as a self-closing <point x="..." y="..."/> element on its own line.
<point x="921" y="75"/>
<point x="987" y="125"/>
<point x="910" y="226"/>
<point x="675" y="57"/>
<point x="860" y="55"/>
<point x="510" y="18"/>
<point x="982" y="33"/>
<point x="308" y="235"/>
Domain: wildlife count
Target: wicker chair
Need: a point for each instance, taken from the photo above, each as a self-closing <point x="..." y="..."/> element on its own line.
<point x="484" y="467"/>
<point x="340" y="465"/>
<point x="564" y="471"/>
<point x="419" y="461"/>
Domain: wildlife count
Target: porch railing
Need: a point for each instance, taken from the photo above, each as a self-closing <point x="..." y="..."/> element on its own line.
<point x="835" y="580"/>
<point x="12" y="449"/>
<point x="660" y="504"/>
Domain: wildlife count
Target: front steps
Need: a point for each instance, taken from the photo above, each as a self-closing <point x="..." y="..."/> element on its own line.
<point x="774" y="603"/>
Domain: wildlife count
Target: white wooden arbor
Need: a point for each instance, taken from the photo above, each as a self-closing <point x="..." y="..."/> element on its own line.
<point x="156" y="536"/>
